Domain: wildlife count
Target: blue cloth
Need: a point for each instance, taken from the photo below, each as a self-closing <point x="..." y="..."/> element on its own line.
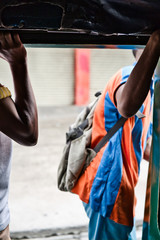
<point x="116" y="157"/>
<point x="101" y="228"/>
<point x="108" y="178"/>
<point x="145" y="233"/>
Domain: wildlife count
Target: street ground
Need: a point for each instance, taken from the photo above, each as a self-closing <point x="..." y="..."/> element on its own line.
<point x="38" y="209"/>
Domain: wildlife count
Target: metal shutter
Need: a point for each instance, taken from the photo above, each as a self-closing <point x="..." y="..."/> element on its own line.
<point x="104" y="63"/>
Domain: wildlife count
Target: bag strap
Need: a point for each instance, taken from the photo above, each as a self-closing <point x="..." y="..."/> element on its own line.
<point x="113" y="130"/>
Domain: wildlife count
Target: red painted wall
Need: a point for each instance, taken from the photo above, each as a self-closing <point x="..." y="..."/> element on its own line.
<point x="82" y="76"/>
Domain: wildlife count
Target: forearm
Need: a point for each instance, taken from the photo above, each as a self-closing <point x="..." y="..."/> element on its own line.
<point x="24" y="97"/>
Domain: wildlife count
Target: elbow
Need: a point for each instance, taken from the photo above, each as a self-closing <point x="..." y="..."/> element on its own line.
<point x="126" y="105"/>
<point x="27" y="139"/>
<point x="32" y="140"/>
<point x="31" y="136"/>
<point x="127" y="110"/>
<point x="31" y="132"/>
<point x="126" y="114"/>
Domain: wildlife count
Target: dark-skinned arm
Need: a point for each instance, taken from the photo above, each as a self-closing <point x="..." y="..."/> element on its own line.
<point x="131" y="95"/>
<point x="19" y="119"/>
<point x="147" y="151"/>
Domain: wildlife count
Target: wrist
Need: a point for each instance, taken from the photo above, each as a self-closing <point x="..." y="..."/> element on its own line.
<point x="155" y="39"/>
<point x="18" y="57"/>
<point x="18" y="63"/>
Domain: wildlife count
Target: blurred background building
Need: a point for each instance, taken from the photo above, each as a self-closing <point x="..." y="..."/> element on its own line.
<point x="38" y="208"/>
<point x="53" y="72"/>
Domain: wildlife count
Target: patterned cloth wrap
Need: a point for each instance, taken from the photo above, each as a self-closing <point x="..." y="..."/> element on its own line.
<point x="4" y="92"/>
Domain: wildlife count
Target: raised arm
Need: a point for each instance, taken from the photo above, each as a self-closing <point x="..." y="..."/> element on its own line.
<point x="130" y="96"/>
<point x="19" y="119"/>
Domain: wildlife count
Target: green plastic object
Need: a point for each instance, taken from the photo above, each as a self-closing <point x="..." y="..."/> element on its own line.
<point x="154" y="232"/>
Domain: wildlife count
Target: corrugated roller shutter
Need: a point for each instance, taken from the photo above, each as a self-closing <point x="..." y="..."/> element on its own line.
<point x="52" y="74"/>
<point x="104" y="63"/>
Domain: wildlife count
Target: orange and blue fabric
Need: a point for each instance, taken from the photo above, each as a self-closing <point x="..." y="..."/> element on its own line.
<point x="107" y="187"/>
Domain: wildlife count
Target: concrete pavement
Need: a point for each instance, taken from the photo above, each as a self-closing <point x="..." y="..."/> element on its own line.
<point x="38" y="208"/>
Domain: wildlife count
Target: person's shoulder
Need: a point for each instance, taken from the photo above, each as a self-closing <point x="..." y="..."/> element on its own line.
<point x="126" y="71"/>
<point x="128" y="68"/>
<point x="123" y="71"/>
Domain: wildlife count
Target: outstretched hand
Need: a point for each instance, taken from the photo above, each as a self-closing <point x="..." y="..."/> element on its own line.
<point x="11" y="48"/>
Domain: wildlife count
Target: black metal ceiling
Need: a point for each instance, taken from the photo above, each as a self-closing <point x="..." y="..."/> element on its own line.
<point x="81" y="22"/>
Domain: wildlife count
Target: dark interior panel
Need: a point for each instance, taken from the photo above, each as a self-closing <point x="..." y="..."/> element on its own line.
<point x="81" y="22"/>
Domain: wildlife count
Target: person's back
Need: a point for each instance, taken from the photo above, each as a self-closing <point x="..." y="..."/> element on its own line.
<point x="107" y="185"/>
